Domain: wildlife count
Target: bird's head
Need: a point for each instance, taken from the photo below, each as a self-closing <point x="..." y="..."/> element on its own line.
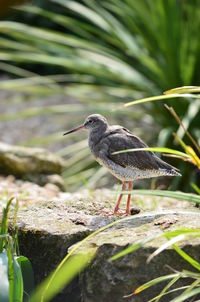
<point x="93" y="121"/>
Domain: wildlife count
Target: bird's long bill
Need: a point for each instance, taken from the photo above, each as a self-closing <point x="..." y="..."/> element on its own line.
<point x="75" y="129"/>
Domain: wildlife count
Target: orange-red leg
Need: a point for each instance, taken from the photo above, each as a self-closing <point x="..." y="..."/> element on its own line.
<point x="120" y="198"/>
<point x="130" y="187"/>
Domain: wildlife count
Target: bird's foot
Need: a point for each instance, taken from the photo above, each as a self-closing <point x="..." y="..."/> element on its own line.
<point x="120" y="213"/>
<point x="111" y="213"/>
<point x="106" y="212"/>
<point x="133" y="211"/>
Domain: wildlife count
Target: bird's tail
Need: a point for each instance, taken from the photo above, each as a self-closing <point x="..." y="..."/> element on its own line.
<point x="168" y="169"/>
<point x="171" y="172"/>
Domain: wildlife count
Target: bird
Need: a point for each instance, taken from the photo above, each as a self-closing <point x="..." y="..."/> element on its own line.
<point x="104" y="140"/>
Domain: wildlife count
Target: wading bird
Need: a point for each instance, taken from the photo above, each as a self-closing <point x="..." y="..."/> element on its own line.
<point x="104" y="140"/>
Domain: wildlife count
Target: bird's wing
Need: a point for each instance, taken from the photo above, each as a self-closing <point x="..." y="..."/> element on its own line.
<point x="121" y="139"/>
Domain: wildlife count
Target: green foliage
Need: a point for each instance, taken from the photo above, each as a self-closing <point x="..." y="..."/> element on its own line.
<point x="28" y="276"/>
<point x="178" y="195"/>
<point x="63" y="277"/>
<point x="173" y="238"/>
<point x="13" y="269"/>
<point x="4" y="225"/>
<point x="73" y="263"/>
<point x="105" y="52"/>
<point x="4" y="284"/>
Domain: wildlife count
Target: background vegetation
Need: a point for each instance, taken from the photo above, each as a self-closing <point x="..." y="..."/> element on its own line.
<point x="100" y="55"/>
<point x="66" y="59"/>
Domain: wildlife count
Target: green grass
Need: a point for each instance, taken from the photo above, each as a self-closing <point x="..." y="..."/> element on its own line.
<point x="193" y="278"/>
<point x="16" y="271"/>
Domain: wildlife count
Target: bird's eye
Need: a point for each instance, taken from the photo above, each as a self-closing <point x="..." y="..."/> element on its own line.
<point x="90" y="121"/>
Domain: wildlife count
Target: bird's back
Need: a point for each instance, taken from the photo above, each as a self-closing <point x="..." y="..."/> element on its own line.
<point x="129" y="165"/>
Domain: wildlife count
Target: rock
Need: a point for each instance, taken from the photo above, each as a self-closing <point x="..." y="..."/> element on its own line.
<point x="48" y="229"/>
<point x="33" y="164"/>
<point x="110" y="281"/>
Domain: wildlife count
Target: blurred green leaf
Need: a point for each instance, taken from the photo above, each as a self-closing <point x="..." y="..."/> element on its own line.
<point x="65" y="274"/>
<point x="196" y="188"/>
<point x="27" y="275"/>
<point x="4" y="225"/>
<point x="18" y="282"/>
<point x="4" y="284"/>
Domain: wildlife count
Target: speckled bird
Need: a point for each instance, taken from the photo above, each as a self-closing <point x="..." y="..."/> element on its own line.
<point x="104" y="140"/>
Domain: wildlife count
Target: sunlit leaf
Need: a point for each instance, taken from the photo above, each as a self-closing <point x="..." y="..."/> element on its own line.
<point x="141" y="243"/>
<point x="161" y="98"/>
<point x="178" y="195"/>
<point x="165" y="246"/>
<point x="152" y="283"/>
<point x="183" y="89"/>
<point x="155" y="149"/>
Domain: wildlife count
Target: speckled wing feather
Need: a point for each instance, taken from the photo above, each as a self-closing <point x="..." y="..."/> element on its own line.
<point x="120" y="139"/>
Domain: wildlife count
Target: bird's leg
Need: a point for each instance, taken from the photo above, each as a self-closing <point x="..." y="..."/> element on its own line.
<point x="120" y="197"/>
<point x="131" y="211"/>
<point x="116" y="210"/>
<point x="130" y="187"/>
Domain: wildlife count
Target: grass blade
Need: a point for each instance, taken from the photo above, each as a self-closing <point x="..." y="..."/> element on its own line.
<point x="177" y="195"/>
<point x="196" y="188"/>
<point x="161" y="98"/>
<point x="187" y="257"/>
<point x="186" y="295"/>
<point x="152" y="283"/>
<point x="156" y="149"/>
<point x="4" y="224"/>
<point x="141" y="243"/>
<point x="165" y="246"/>
<point x="183" y="89"/>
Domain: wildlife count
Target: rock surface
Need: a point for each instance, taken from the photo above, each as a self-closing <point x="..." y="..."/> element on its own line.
<point x="49" y="227"/>
<point x="33" y="164"/>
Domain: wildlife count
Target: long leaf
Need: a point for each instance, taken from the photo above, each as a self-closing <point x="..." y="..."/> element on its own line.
<point x="155" y="149"/>
<point x="185" y="295"/>
<point x="161" y="98"/>
<point x="183" y="89"/>
<point x="152" y="283"/>
<point x="4" y="224"/>
<point x="141" y="243"/>
<point x="178" y="195"/>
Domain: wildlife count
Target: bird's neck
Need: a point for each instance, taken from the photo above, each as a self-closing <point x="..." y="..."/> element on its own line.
<point x="96" y="134"/>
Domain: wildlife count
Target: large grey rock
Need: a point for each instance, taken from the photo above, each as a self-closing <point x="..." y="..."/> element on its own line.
<point x="33" y="164"/>
<point x="110" y="281"/>
<point x="47" y="230"/>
